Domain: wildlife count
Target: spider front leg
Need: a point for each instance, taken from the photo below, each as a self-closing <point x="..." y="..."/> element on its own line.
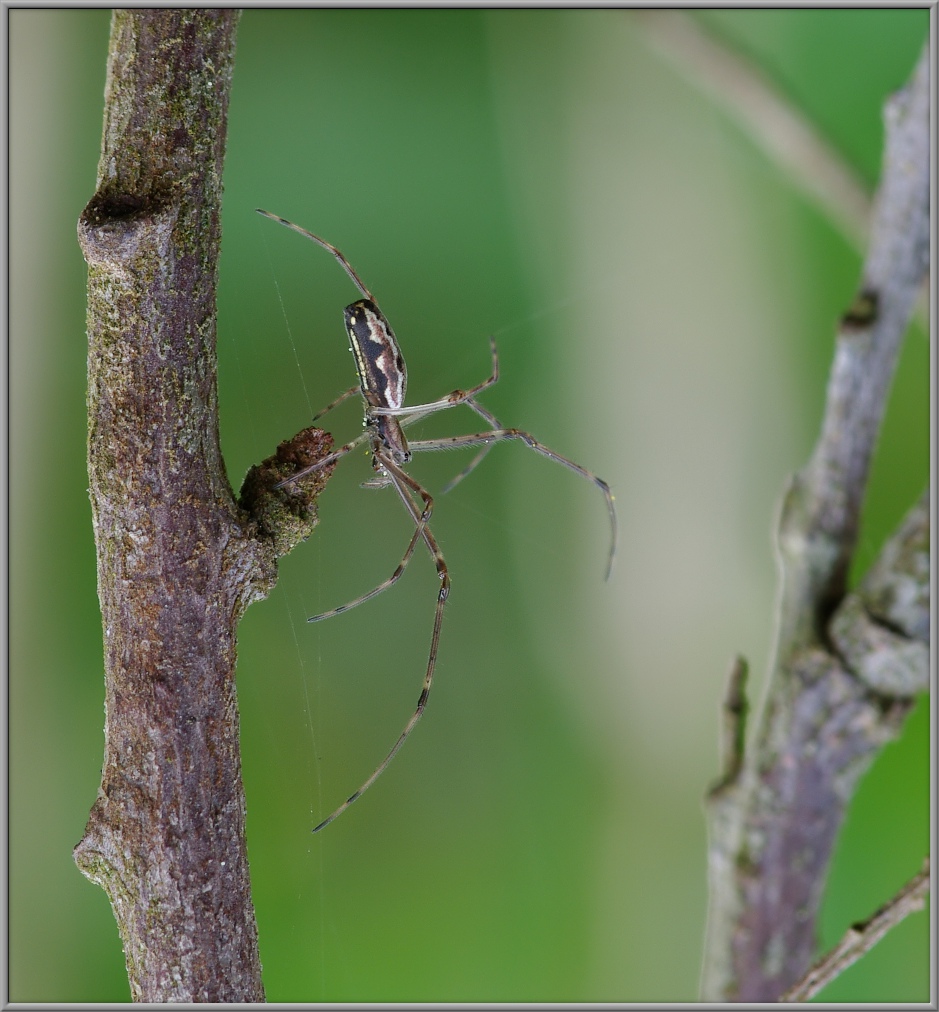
<point x="328" y="459"/>
<point x="401" y="483"/>
<point x="497" y="435"/>
<point x="417" y="412"/>
<point x="452" y="399"/>
<point x="344" y="396"/>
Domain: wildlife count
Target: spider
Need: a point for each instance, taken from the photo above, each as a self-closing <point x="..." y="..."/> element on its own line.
<point x="382" y="383"/>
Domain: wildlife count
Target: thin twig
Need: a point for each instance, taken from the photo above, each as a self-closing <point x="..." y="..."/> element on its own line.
<point x="861" y="938"/>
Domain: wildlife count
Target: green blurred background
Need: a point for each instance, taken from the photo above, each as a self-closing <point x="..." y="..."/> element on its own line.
<point x="664" y="301"/>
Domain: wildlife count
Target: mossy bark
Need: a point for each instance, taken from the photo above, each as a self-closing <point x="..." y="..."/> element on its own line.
<point x="179" y="559"/>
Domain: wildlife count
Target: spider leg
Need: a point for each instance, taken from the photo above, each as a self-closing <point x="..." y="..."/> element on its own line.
<point x="478" y="459"/>
<point x="402" y="481"/>
<point x="328" y="459"/>
<point x="346" y="266"/>
<point x="497" y="435"/>
<point x="344" y="396"/>
<point x="451" y="399"/>
<point x="487" y="416"/>
<point x="420" y="519"/>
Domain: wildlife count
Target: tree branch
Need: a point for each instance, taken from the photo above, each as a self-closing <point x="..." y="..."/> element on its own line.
<point x="178" y="559"/>
<point x="827" y="712"/>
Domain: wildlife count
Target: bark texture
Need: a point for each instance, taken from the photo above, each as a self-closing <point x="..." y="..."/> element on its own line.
<point x="846" y="667"/>
<point x="178" y="559"/>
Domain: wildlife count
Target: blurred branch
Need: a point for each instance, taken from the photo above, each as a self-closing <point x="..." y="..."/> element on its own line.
<point x="845" y="667"/>
<point x="861" y="938"/>
<point x="783" y="133"/>
<point x="178" y="559"/>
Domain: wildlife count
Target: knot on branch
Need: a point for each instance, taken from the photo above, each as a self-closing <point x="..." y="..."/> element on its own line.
<point x="286" y="516"/>
<point x="884" y="659"/>
<point x="862" y="312"/>
<point x="736" y="708"/>
<point x="882" y="629"/>
<point x="118" y="230"/>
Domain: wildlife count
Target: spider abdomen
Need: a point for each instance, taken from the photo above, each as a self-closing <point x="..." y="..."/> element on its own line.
<point x="378" y="359"/>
